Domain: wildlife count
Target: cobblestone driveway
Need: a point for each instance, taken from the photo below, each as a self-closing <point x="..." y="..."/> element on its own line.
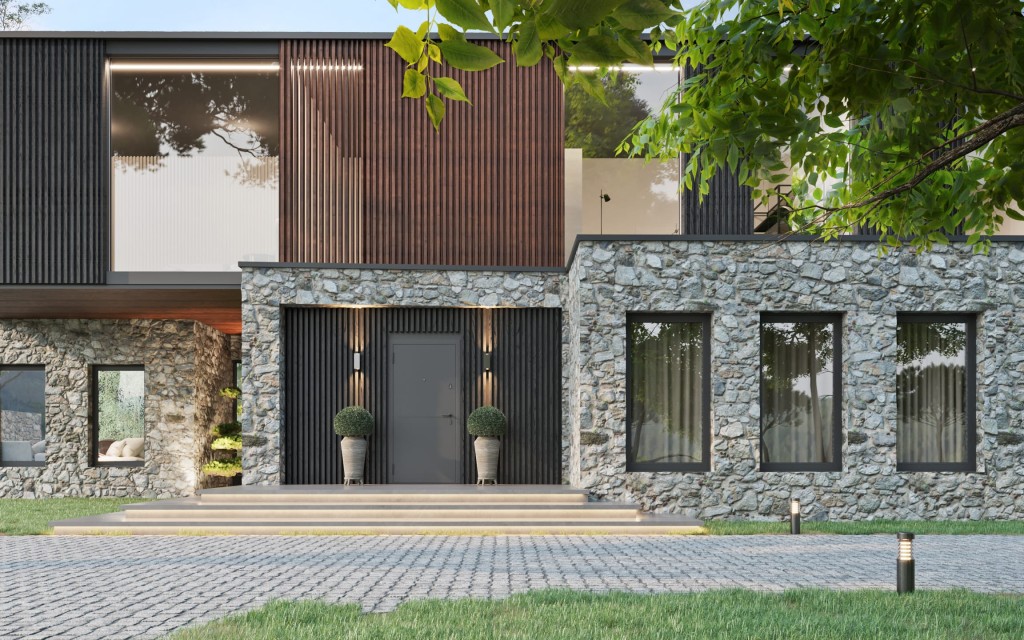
<point x="113" y="587"/>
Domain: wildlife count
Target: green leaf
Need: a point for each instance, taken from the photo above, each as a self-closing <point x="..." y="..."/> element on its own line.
<point x="414" y="84"/>
<point x="468" y="56"/>
<point x="527" y="47"/>
<point x="465" y="13"/>
<point x="449" y="33"/>
<point x="435" y="109"/>
<point x="406" y="44"/>
<point x="902" y="105"/>
<point x="637" y="51"/>
<point x="581" y="14"/>
<point x="640" y="15"/>
<point x="433" y="52"/>
<point x="550" y="29"/>
<point x="415" y="5"/>
<point x="601" y="51"/>
<point x="450" y="88"/>
<point x="504" y="11"/>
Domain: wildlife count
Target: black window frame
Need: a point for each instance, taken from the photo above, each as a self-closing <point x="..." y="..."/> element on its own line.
<point x="971" y="381"/>
<point x="94" y="415"/>
<point x="837" y="320"/>
<point x="704" y="319"/>
<point x="27" y="367"/>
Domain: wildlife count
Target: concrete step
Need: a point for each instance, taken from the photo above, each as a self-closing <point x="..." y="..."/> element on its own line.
<point x="396" y="494"/>
<point x="184" y="512"/>
<point x="115" y="524"/>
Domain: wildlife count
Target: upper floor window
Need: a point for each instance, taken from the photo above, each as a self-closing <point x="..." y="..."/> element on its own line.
<point x="194" y="167"/>
<point x="935" y="381"/>
<point x="611" y="194"/>
<point x="801" y="390"/>
<point x="668" y="386"/>
<point x="22" y="415"/>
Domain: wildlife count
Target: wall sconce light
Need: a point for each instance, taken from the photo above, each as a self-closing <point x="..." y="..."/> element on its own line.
<point x="905" y="563"/>
<point x="357" y="361"/>
<point x="794" y="517"/>
<point x="487" y="361"/>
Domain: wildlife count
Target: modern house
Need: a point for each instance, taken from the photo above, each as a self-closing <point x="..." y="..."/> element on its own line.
<point x="171" y="204"/>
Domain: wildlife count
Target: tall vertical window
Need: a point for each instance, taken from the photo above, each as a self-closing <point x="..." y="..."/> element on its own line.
<point x="22" y="415"/>
<point x="801" y="391"/>
<point x="935" y="403"/>
<point x="119" y="415"/>
<point x="194" y="167"/>
<point x="668" y="416"/>
<point x="605" y="192"/>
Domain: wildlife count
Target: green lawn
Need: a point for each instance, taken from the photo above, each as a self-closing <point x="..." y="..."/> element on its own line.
<point x="32" y="517"/>
<point x="930" y="527"/>
<point x="553" y="615"/>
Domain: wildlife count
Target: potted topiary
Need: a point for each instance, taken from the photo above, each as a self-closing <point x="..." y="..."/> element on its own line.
<point x="487" y="424"/>
<point x="353" y="424"/>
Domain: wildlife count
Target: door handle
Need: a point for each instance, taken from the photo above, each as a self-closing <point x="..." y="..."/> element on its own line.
<point x="448" y="415"/>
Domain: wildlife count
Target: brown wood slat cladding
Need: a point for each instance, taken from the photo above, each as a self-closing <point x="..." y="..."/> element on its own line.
<point x="322" y="138"/>
<point x="319" y="381"/>
<point x="53" y="162"/>
<point x="486" y="190"/>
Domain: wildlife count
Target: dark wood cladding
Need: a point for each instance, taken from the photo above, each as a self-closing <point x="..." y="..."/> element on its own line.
<point x="53" y="162"/>
<point x="319" y="380"/>
<point x="485" y="190"/>
<point x="322" y="150"/>
<point x="727" y="209"/>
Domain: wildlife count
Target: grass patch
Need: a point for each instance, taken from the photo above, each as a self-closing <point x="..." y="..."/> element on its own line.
<point x="20" y="517"/>
<point x="929" y="527"/>
<point x="556" y="615"/>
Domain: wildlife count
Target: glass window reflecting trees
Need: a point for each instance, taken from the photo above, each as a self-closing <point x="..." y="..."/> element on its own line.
<point x="194" y="167"/>
<point x="611" y="194"/>
<point x="935" y="393"/>
<point x="119" y="415"/>
<point x="801" y="391"/>
<point x="22" y="415"/>
<point x="668" y="415"/>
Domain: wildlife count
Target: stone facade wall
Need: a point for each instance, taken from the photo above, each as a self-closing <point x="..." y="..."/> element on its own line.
<point x="735" y="282"/>
<point x="266" y="289"/>
<point x="19" y="425"/>
<point x="181" y="360"/>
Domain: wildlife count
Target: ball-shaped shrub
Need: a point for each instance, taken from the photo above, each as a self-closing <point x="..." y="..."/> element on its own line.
<point x="353" y="422"/>
<point x="487" y="422"/>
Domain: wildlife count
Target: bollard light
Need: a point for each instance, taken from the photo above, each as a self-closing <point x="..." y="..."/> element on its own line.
<point x="905" y="563"/>
<point x="794" y="517"/>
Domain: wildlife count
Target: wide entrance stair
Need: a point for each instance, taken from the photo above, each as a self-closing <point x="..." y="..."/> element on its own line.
<point x="381" y="509"/>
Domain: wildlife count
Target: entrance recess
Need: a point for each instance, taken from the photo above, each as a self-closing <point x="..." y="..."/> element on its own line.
<point x="425" y="400"/>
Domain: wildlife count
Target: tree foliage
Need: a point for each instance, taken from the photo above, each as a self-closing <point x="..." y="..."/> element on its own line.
<point x="906" y="116"/>
<point x="14" y="16"/>
<point x="599" y="126"/>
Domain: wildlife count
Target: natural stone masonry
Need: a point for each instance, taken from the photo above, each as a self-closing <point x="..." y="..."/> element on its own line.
<point x="155" y="585"/>
<point x="735" y="282"/>
<point x="185" y="362"/>
<point x="266" y="289"/>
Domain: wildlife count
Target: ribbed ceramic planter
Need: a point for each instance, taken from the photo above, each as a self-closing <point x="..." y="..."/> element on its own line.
<point x="353" y="457"/>
<point x="486" y="459"/>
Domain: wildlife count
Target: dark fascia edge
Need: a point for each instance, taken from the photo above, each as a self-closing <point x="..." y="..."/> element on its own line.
<point x="176" y="279"/>
<point x="398" y="267"/>
<point x="214" y="35"/>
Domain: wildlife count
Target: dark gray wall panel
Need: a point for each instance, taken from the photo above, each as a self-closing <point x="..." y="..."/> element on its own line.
<point x="319" y="380"/>
<point x="53" y="162"/>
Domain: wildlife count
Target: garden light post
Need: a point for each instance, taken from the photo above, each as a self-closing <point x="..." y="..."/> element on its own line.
<point x="794" y="517"/>
<point x="905" y="563"/>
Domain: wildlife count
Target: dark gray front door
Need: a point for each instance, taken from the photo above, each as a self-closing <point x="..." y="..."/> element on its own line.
<point x="426" y="431"/>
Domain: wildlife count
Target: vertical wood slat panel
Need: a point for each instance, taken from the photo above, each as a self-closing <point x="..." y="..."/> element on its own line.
<point x="53" y="162"/>
<point x="486" y="190"/>
<point x="319" y="381"/>
<point x="322" y="94"/>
